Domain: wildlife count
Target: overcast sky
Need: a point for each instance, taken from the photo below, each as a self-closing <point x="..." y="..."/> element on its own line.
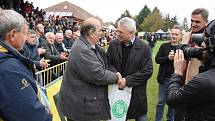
<point x="110" y="10"/>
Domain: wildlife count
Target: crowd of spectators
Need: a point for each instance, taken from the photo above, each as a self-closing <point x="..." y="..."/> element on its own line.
<point x="54" y="35"/>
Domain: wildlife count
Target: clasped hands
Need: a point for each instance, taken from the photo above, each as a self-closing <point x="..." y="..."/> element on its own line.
<point x="121" y="81"/>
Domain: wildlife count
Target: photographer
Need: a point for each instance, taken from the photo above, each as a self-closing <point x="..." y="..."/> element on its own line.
<point x="198" y="95"/>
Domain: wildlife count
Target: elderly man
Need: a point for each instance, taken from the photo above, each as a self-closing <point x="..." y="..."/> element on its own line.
<point x="18" y="90"/>
<point x="68" y="39"/>
<point x="83" y="91"/>
<point x="132" y="58"/>
<point x="51" y="51"/>
<point x="59" y="43"/>
<point x="40" y="38"/>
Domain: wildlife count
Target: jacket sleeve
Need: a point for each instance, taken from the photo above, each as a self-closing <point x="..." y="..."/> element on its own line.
<point x="19" y="101"/>
<point x="161" y="57"/>
<point x="192" y="94"/>
<point x="91" y="70"/>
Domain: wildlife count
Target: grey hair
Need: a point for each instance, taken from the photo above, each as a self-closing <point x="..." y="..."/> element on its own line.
<point x="128" y="23"/>
<point x="9" y="20"/>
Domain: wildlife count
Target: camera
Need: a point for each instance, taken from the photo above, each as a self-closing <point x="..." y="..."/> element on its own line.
<point x="208" y="37"/>
<point x="190" y="52"/>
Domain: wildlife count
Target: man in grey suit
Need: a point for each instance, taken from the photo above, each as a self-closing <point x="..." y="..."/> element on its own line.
<point x="83" y="93"/>
<point x="132" y="58"/>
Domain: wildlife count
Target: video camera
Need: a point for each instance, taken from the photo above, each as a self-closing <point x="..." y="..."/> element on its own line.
<point x="208" y="37"/>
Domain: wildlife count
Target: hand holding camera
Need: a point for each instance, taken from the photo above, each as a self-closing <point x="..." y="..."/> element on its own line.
<point x="179" y="62"/>
<point x="171" y="55"/>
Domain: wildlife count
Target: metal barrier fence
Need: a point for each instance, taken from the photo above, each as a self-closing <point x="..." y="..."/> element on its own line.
<point x="46" y="76"/>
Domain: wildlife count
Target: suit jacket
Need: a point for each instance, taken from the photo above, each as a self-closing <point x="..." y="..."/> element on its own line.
<point x="83" y="92"/>
<point x="138" y="70"/>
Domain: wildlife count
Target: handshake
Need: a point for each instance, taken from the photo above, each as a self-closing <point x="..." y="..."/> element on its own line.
<point x="121" y="81"/>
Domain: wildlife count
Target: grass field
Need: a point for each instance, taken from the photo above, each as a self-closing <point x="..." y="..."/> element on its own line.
<point x="152" y="89"/>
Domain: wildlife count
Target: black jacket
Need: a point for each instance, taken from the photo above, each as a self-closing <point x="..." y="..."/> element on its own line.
<point x="138" y="70"/>
<point x="166" y="66"/>
<point x="197" y="96"/>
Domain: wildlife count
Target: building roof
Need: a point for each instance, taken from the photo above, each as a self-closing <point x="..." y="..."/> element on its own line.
<point x="74" y="10"/>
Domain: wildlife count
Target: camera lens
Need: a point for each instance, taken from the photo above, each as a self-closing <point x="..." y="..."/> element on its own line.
<point x="191" y="52"/>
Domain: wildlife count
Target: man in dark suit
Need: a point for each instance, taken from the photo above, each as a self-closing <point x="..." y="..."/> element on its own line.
<point x="83" y="92"/>
<point x="132" y="58"/>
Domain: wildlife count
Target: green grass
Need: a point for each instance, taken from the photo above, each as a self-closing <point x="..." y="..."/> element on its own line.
<point x="152" y="89"/>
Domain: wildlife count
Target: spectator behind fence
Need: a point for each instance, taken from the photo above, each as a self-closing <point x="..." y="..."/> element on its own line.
<point x="18" y="90"/>
<point x="51" y="52"/>
<point x="165" y="57"/>
<point x="68" y="41"/>
<point x="132" y="58"/>
<point x="40" y="39"/>
<point x="83" y="91"/>
<point x="30" y="51"/>
<point x="59" y="43"/>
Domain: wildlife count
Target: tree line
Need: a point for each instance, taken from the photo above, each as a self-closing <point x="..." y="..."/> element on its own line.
<point x="151" y="21"/>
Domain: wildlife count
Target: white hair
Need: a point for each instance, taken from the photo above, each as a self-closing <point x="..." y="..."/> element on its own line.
<point x="128" y="23"/>
<point x="67" y="31"/>
<point x="49" y="34"/>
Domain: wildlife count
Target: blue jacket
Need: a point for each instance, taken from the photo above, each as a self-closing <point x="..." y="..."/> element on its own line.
<point x="31" y="52"/>
<point x="18" y="90"/>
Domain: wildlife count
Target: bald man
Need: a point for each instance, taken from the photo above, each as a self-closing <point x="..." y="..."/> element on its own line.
<point x="83" y="91"/>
